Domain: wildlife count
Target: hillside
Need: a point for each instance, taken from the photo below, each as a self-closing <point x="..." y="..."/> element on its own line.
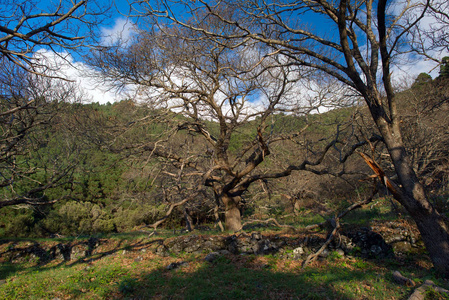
<point x="115" y="186"/>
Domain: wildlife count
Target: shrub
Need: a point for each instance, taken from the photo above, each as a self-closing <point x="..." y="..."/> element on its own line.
<point x="74" y="218"/>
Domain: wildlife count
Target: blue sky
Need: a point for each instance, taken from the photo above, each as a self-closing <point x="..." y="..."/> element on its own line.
<point x="117" y="25"/>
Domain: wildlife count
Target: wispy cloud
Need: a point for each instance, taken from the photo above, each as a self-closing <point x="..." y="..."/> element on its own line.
<point x="120" y="33"/>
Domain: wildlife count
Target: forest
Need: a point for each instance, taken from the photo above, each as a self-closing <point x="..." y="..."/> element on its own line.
<point x="242" y="121"/>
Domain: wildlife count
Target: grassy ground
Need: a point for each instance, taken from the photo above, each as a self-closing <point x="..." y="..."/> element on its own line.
<point x="125" y="268"/>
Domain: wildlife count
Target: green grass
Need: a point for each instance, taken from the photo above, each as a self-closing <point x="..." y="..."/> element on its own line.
<point x="120" y="276"/>
<point x="76" y="281"/>
<point x="224" y="280"/>
<point x="120" y="270"/>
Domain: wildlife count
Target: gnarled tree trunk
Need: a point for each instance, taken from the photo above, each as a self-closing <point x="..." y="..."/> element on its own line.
<point x="233" y="218"/>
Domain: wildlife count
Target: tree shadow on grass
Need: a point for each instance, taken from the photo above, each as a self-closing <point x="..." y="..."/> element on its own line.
<point x="230" y="277"/>
<point x="227" y="279"/>
<point x="46" y="261"/>
<point x="7" y="269"/>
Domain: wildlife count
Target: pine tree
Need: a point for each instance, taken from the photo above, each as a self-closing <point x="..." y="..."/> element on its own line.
<point x="444" y="67"/>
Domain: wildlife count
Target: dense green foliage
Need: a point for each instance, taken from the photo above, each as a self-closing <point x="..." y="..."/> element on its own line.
<point x="444" y="68"/>
<point x="98" y="195"/>
<point x="113" y="185"/>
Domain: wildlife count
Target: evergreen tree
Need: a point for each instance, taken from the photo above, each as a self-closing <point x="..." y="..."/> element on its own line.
<point x="444" y="67"/>
<point x="421" y="80"/>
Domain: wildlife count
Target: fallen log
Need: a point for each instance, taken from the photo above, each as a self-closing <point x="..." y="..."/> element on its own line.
<point x="402" y="280"/>
<point x="420" y="292"/>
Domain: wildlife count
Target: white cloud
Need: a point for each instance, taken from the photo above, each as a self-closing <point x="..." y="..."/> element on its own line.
<point x="413" y="69"/>
<point x="410" y="10"/>
<point x="120" y="33"/>
<point x="63" y="65"/>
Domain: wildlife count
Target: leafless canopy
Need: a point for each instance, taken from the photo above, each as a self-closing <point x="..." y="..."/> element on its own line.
<point x="432" y="37"/>
<point x="29" y="104"/>
<point x="30" y="25"/>
<point x="221" y="83"/>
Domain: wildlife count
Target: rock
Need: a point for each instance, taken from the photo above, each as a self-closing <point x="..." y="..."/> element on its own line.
<point x="224" y="252"/>
<point x="84" y="249"/>
<point x="256" y="236"/>
<point x="355" y="241"/>
<point x="324" y="253"/>
<point x="401" y="247"/>
<point x="369" y="244"/>
<point x="231" y="244"/>
<point x="298" y="251"/>
<point x="65" y="251"/>
<point x="192" y="248"/>
<point x="161" y="250"/>
<point x="177" y="248"/>
<point x="190" y="238"/>
<point x="92" y="244"/>
<point x="395" y="238"/>
<point x="211" y="257"/>
<point x="176" y="265"/>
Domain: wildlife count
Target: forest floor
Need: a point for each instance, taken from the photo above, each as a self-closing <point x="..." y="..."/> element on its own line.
<point x="124" y="267"/>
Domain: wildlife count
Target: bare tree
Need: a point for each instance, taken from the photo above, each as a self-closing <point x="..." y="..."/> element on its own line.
<point x="219" y="89"/>
<point x="29" y="105"/>
<point x="430" y="38"/>
<point x="424" y="123"/>
<point x="29" y="102"/>
<point x="362" y="38"/>
<point x="28" y="26"/>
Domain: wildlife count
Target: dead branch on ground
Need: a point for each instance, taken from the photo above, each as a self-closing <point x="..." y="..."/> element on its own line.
<point x="273" y="220"/>
<point x="420" y="292"/>
<point x="313" y="256"/>
<point x="402" y="280"/>
<point x="335" y="223"/>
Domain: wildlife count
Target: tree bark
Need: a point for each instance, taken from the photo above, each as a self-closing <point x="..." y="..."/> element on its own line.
<point x="411" y="194"/>
<point x="233" y="218"/>
<point x="436" y="238"/>
<point x="188" y="219"/>
<point x="431" y="225"/>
